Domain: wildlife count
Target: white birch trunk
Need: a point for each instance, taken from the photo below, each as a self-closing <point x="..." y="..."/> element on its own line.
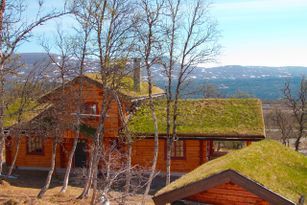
<point x="69" y="164"/>
<point x="15" y="157"/>
<point x="50" y="173"/>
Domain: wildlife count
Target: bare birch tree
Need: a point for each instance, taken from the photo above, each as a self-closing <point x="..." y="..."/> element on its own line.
<point x="147" y="31"/>
<point x="110" y="21"/>
<point x="211" y="91"/>
<point x="191" y="39"/>
<point x="128" y="138"/>
<point x="284" y="123"/>
<point x="63" y="65"/>
<point x="14" y="30"/>
<point x="297" y="103"/>
<point x="112" y="55"/>
<point x="80" y="48"/>
<point x="25" y="93"/>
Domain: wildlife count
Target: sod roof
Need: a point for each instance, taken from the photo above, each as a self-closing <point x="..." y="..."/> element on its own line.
<point x="31" y="110"/>
<point x="205" y="117"/>
<point x="127" y="88"/>
<point x="269" y="163"/>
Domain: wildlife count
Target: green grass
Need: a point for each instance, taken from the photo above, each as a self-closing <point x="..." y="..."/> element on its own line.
<point x="205" y="116"/>
<point x="127" y="86"/>
<point x="268" y="162"/>
<point x="31" y="110"/>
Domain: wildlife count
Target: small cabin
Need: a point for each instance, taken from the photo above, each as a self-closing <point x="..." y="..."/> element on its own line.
<point x="264" y="173"/>
<point x="36" y="146"/>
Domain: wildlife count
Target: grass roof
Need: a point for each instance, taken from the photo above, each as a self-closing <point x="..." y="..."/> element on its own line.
<point x="31" y="110"/>
<point x="221" y="117"/>
<point x="278" y="168"/>
<point x="127" y="86"/>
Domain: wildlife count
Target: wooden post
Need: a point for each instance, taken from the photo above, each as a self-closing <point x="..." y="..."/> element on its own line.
<point x="201" y="152"/>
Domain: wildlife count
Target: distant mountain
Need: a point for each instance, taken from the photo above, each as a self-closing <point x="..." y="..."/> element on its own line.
<point x="260" y="81"/>
<point x="42" y="62"/>
<point x="233" y="72"/>
<point x="244" y="72"/>
<point x="33" y="58"/>
<point x="200" y="73"/>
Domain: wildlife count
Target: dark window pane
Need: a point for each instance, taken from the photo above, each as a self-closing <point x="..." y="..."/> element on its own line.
<point x="178" y="149"/>
<point x="35" y="145"/>
<point x="89" y="108"/>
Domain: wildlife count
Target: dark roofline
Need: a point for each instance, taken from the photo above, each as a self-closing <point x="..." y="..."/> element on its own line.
<point x="132" y="99"/>
<point x="205" y="136"/>
<point x="41" y="99"/>
<point x="217" y="179"/>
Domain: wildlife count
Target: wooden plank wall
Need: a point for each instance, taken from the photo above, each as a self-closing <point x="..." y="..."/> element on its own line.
<point x="143" y="154"/>
<point x="25" y="159"/>
<point x="228" y="194"/>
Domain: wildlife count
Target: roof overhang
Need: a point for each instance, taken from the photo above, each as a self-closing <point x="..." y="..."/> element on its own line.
<point x="218" y="179"/>
<point x="159" y="95"/>
<point x="204" y="136"/>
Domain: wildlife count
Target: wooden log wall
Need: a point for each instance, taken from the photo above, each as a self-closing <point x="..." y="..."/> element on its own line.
<point x="195" y="155"/>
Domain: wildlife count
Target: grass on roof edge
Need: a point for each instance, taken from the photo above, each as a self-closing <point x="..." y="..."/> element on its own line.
<point x="278" y="168"/>
<point x="127" y="87"/>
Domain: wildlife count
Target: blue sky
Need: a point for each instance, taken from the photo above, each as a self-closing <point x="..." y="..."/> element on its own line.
<point x="253" y="32"/>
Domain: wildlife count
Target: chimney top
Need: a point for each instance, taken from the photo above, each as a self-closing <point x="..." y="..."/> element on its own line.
<point x="137" y="74"/>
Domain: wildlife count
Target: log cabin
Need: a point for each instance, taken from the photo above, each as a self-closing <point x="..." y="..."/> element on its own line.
<point x="207" y="128"/>
<point x="36" y="146"/>
<point x="264" y="173"/>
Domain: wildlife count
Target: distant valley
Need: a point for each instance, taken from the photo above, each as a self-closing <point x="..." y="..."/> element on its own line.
<point x="262" y="82"/>
<point x="259" y="81"/>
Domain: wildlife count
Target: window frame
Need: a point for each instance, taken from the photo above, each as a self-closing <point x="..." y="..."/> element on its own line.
<point x="88" y="115"/>
<point x="35" y="152"/>
<point x="174" y="150"/>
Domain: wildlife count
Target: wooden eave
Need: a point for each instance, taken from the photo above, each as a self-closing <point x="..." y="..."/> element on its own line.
<point x="133" y="99"/>
<point x="218" y="179"/>
<point x="204" y="136"/>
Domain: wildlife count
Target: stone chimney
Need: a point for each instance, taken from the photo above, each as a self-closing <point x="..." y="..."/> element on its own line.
<point x="137" y="74"/>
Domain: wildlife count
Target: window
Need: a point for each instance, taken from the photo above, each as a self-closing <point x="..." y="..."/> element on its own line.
<point x="35" y="145"/>
<point x="221" y="148"/>
<point x="178" y="149"/>
<point x="89" y="108"/>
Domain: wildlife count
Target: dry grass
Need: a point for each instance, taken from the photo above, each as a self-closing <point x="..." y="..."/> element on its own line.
<point x="18" y="195"/>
